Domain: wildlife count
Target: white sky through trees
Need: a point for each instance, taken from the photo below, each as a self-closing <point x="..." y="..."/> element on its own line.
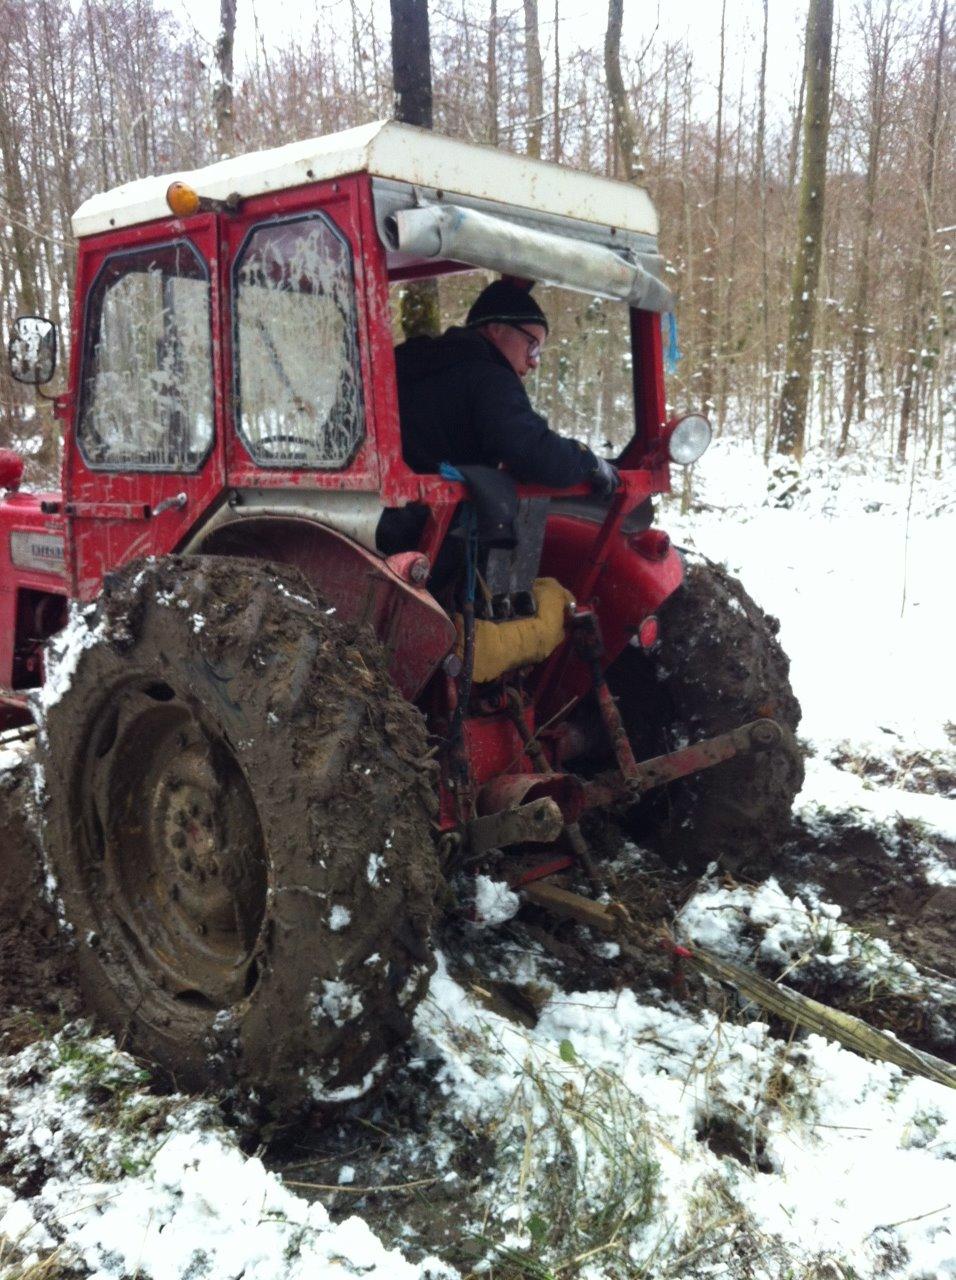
<point x="582" y="26"/>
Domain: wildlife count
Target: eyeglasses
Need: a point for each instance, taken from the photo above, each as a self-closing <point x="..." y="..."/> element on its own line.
<point x="534" y="344"/>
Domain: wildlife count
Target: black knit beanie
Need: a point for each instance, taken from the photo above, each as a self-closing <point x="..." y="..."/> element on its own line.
<point x="505" y="303"/>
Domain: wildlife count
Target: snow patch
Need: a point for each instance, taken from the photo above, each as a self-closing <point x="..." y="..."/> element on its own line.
<point x="339" y="918"/>
<point x="494" y="901"/>
<point x="64" y="652"/>
<point x="337" y="1001"/>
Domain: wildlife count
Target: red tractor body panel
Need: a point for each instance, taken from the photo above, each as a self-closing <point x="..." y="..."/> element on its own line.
<point x="32" y="596"/>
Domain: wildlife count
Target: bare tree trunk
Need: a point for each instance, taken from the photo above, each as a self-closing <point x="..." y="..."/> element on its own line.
<point x="798" y="122"/>
<point x="686" y="243"/>
<point x="854" y="390"/>
<point x="15" y="212"/>
<point x="764" y="238"/>
<point x="492" y="64"/>
<point x="725" y="333"/>
<point x="665" y="114"/>
<point x="916" y="317"/>
<point x="710" y="319"/>
<point x="556" y="99"/>
<point x="222" y="94"/>
<point x="412" y="80"/>
<point x="534" y="70"/>
<point x="624" y="127"/>
<point x="806" y="269"/>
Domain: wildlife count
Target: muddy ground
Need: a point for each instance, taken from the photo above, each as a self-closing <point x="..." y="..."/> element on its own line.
<point x="38" y="992"/>
<point x="877" y="876"/>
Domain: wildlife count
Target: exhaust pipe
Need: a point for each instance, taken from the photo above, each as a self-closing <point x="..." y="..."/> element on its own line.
<point x="481" y="240"/>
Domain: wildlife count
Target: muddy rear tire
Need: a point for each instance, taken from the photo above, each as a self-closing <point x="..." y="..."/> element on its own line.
<point x="719" y="664"/>
<point x="238" y="822"/>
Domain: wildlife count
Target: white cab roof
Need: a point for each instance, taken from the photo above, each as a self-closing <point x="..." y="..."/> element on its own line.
<point x="386" y="149"/>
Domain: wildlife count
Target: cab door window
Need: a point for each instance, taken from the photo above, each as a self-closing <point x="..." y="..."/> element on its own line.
<point x="147" y="386"/>
<point x="298" y="391"/>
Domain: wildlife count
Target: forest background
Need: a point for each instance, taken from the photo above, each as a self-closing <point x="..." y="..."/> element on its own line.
<point x="98" y="92"/>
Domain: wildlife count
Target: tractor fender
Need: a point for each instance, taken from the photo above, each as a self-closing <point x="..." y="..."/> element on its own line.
<point x="362" y="587"/>
<point x="642" y="569"/>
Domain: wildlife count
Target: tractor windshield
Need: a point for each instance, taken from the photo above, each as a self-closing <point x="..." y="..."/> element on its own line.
<point x="583" y="383"/>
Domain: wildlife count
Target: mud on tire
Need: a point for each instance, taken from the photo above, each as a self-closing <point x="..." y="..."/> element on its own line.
<point x="238" y="820"/>
<point x="718" y="665"/>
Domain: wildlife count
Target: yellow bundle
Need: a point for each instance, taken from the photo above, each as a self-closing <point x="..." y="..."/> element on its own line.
<point x="519" y="642"/>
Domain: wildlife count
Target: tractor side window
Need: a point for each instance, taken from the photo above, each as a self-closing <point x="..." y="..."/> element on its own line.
<point x="298" y="390"/>
<point x="147" y="402"/>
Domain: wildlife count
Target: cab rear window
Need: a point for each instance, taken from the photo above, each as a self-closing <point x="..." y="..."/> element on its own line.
<point x="298" y="391"/>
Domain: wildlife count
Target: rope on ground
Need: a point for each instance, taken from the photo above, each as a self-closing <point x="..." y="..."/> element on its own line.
<point x="850" y="1031"/>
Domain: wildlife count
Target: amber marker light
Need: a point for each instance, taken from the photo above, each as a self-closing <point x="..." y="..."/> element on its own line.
<point x="182" y="199"/>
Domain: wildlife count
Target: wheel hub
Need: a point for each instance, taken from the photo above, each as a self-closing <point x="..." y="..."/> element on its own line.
<point x="184" y="864"/>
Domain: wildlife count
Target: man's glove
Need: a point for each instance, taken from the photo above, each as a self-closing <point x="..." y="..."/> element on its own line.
<point x="605" y="477"/>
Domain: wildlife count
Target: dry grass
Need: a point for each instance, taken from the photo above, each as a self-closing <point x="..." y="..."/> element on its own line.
<point x="13" y="1267"/>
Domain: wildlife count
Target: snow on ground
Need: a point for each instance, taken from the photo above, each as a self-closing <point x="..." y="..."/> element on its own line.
<point x="626" y="1138"/>
<point x="676" y="1143"/>
<point x="857" y="571"/>
<point x="861" y="594"/>
<point x="13" y="752"/>
<point x="133" y="1184"/>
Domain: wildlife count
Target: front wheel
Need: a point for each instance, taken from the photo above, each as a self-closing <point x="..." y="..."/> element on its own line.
<point x="238" y="822"/>
<point x="718" y="665"/>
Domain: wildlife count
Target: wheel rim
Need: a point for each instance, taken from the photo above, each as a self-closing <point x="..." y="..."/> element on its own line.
<point x="174" y="861"/>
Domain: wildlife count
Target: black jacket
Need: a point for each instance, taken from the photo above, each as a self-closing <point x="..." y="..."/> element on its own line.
<point x="461" y="402"/>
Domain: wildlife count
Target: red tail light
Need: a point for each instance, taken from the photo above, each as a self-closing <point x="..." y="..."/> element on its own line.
<point x="652" y="544"/>
<point x="648" y="632"/>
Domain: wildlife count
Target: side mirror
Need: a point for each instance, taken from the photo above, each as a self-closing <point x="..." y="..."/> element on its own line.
<point x="32" y="350"/>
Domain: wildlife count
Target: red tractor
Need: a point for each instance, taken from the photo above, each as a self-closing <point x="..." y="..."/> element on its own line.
<point x="265" y="744"/>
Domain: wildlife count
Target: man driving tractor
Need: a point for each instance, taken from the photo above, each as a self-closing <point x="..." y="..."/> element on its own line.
<point x="462" y="400"/>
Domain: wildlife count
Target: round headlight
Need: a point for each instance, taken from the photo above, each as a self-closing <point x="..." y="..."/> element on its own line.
<point x="689" y="439"/>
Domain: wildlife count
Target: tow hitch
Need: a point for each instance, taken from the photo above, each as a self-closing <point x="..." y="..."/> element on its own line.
<point x="529" y="807"/>
<point x="618" y="786"/>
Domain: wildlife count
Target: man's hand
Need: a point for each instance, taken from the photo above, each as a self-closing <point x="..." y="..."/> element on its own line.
<point x="605" y="478"/>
